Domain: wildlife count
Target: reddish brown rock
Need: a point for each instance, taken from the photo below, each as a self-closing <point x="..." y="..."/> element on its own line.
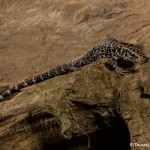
<point x="94" y="102"/>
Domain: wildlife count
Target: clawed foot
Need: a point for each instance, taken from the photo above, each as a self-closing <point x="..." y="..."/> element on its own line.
<point x="121" y="71"/>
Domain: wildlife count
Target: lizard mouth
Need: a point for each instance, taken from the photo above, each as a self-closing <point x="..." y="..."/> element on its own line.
<point x="144" y="60"/>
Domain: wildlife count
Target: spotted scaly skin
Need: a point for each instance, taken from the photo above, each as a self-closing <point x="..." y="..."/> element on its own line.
<point x="109" y="48"/>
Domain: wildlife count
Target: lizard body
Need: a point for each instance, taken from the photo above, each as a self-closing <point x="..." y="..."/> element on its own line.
<point x="109" y="48"/>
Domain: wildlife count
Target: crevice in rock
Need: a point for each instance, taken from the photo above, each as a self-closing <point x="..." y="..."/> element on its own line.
<point x="115" y="137"/>
<point x="143" y="94"/>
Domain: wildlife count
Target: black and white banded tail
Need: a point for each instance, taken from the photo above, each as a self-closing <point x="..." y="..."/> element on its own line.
<point x="60" y="70"/>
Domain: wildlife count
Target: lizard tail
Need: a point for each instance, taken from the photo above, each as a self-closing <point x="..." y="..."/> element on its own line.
<point x="60" y="70"/>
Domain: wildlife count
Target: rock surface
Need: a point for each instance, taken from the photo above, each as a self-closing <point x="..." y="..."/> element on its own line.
<point x="81" y="103"/>
<point x="37" y="35"/>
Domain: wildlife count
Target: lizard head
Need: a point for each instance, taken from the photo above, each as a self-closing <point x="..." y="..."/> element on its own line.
<point x="143" y="60"/>
<point x="136" y="54"/>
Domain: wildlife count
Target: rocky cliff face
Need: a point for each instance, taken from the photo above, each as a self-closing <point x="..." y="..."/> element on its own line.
<point x="91" y="107"/>
<point x="92" y="104"/>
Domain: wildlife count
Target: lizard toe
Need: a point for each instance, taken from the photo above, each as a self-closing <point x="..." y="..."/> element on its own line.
<point x="121" y="71"/>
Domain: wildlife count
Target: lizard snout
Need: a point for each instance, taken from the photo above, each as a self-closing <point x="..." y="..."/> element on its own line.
<point x="144" y="60"/>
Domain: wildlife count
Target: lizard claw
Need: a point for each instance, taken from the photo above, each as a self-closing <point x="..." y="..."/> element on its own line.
<point x="121" y="71"/>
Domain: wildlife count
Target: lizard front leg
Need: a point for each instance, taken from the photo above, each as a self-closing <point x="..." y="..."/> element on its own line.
<point x="112" y="65"/>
